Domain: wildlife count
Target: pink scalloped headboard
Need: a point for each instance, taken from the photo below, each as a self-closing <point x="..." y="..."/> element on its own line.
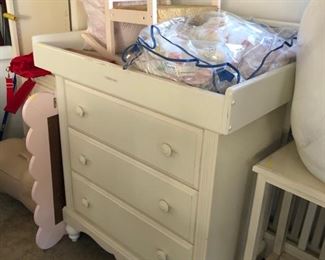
<point x="37" y="109"/>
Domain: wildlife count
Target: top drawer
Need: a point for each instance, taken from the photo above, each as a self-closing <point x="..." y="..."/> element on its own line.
<point x="163" y="143"/>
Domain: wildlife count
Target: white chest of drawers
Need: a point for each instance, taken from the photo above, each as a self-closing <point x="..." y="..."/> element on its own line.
<point x="154" y="169"/>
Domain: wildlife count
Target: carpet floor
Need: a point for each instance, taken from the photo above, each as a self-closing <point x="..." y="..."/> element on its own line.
<point x="17" y="236"/>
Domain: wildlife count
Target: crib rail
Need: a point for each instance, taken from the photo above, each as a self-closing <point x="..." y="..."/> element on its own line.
<point x="300" y="223"/>
<point x="147" y="17"/>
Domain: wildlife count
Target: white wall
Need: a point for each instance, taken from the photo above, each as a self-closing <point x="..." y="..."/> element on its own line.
<point x="282" y="10"/>
<point x="40" y="17"/>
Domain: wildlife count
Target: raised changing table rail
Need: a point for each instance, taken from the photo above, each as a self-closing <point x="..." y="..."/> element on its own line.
<point x="224" y="114"/>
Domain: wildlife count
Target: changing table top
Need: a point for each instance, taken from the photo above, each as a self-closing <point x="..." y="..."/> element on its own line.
<point x="224" y="114"/>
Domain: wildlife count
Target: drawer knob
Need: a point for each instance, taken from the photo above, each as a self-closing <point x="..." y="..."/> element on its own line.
<point x="161" y="255"/>
<point x="83" y="160"/>
<point x="167" y="150"/>
<point x="80" y="111"/>
<point x="85" y="203"/>
<point x="164" y="206"/>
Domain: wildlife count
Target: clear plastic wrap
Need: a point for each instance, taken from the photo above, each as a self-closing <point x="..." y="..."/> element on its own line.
<point x="213" y="50"/>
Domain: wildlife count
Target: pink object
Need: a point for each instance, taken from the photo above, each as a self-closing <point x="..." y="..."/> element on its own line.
<point x="37" y="109"/>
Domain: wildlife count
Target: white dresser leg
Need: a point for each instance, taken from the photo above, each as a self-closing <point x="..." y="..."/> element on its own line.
<point x="73" y="234"/>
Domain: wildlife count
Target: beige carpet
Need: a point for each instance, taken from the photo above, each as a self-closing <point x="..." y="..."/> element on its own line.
<point x="17" y="233"/>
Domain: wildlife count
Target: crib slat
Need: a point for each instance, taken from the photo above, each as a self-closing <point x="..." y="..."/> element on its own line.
<point x="216" y="2"/>
<point x="322" y="252"/>
<point x="318" y="232"/>
<point x="282" y="224"/>
<point x="306" y="230"/>
<point x="277" y="209"/>
<point x="298" y="219"/>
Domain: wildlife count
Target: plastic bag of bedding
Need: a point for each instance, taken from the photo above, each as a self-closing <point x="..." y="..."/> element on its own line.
<point x="213" y="50"/>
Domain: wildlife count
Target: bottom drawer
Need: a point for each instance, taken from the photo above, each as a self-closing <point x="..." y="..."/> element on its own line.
<point x="123" y="224"/>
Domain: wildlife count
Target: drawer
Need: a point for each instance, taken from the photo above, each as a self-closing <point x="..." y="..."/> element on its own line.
<point x="161" y="198"/>
<point x="163" y="143"/>
<point x="125" y="226"/>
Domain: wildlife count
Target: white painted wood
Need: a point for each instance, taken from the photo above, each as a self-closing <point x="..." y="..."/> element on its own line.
<point x="98" y="235"/>
<point x="273" y="88"/>
<point x="250" y="133"/>
<point x="265" y="218"/>
<point x="73" y="233"/>
<point x="13" y="29"/>
<point x="152" y="10"/>
<point x="291" y="249"/>
<point x="285" y="170"/>
<point x="301" y="255"/>
<point x="282" y="228"/>
<point x="209" y="159"/>
<point x="37" y="142"/>
<point x="216" y="3"/>
<point x="242" y="110"/>
<point x="110" y="30"/>
<point x="135" y="17"/>
<point x="284" y="10"/>
<point x="255" y="220"/>
<point x="132" y="112"/>
<point x="64" y="136"/>
<point x="318" y="231"/>
<point x="147" y="17"/>
<point x="68" y="40"/>
<point x="119" y="174"/>
<point x="284" y="256"/>
<point x="126" y="129"/>
<point x="298" y="219"/>
<point x="93" y="43"/>
<point x="231" y="200"/>
<point x="322" y="252"/>
<point x="277" y="197"/>
<point x="289" y="173"/>
<point x="137" y="87"/>
<point x="306" y="230"/>
<point x="126" y="225"/>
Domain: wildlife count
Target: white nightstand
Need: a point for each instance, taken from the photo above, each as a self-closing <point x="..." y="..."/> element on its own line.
<point x="284" y="170"/>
